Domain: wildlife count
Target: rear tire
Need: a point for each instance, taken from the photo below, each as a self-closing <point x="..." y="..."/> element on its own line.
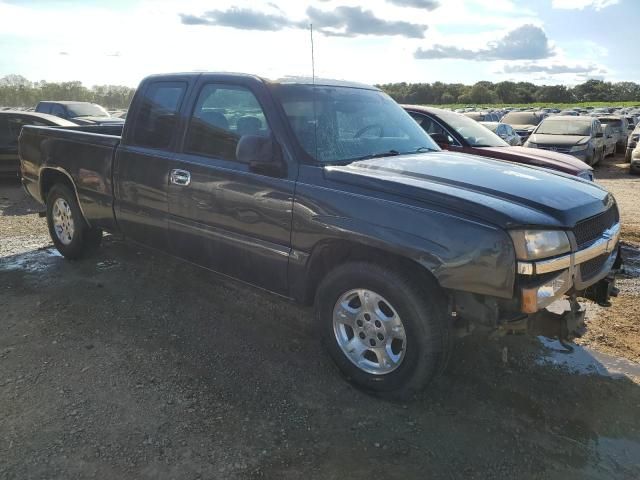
<point x="365" y="310"/>
<point x="70" y="234"/>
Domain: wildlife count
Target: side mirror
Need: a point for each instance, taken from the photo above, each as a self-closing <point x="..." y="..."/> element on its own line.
<point x="261" y="153"/>
<point x="631" y="127"/>
<point x="255" y="149"/>
<point x="440" y="138"/>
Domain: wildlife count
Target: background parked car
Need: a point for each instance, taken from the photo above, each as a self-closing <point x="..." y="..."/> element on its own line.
<point x="609" y="140"/>
<point x="523" y="122"/>
<point x="11" y="122"/>
<point x="80" y="113"/>
<point x="620" y="129"/>
<point x="505" y="132"/>
<point x="634" y="167"/>
<point x="632" y="142"/>
<point x="456" y="132"/>
<point x="581" y="137"/>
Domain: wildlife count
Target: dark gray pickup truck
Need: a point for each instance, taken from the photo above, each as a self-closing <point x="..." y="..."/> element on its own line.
<point x="330" y="194"/>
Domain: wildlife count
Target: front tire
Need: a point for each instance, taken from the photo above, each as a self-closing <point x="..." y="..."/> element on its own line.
<point x="70" y="234"/>
<point x="387" y="334"/>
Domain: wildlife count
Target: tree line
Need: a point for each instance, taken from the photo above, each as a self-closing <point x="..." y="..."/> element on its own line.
<point x="17" y="91"/>
<point x="484" y="92"/>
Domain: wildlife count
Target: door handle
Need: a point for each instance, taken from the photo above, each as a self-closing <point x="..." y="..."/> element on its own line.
<point x="180" y="177"/>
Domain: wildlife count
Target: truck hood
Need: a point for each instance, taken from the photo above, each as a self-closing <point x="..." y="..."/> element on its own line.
<point x="558" y="140"/>
<point x="541" y="158"/>
<point x="494" y="191"/>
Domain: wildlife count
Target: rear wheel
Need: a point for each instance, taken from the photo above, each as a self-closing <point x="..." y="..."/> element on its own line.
<point x="386" y="333"/>
<point x="68" y="230"/>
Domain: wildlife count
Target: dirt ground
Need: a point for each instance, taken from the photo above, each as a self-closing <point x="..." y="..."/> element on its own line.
<point x="132" y="365"/>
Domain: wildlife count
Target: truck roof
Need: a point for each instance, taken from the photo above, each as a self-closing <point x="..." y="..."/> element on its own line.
<point x="289" y="80"/>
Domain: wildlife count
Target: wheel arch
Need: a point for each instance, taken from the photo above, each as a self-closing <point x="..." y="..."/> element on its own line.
<point x="329" y="254"/>
<point x="50" y="176"/>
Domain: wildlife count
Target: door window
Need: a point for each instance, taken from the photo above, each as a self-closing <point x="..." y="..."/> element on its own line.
<point x="157" y="117"/>
<point x="223" y="114"/>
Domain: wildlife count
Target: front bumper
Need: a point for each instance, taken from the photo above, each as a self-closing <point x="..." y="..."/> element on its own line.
<point x="543" y="282"/>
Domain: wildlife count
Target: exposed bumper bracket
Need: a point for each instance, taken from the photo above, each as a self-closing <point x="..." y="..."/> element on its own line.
<point x="563" y="320"/>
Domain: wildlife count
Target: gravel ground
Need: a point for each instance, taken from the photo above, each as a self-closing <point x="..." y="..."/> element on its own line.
<point x="133" y="365"/>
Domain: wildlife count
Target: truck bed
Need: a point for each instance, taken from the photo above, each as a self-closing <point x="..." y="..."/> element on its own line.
<point x="84" y="154"/>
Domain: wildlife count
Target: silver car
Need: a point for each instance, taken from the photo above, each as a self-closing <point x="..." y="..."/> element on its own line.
<point x="581" y="137"/>
<point x="505" y="132"/>
<point x="620" y="129"/>
<point x="610" y="140"/>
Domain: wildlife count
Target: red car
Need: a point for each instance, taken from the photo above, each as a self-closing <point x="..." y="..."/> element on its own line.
<point x="456" y="132"/>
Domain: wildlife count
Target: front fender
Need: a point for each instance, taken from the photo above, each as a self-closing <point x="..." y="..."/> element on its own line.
<point x="462" y="254"/>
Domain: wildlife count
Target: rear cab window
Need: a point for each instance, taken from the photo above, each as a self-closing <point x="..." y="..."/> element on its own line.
<point x="44" y="108"/>
<point x="157" y="115"/>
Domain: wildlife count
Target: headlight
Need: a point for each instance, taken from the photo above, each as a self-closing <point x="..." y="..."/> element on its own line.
<point x="535" y="244"/>
<point x="579" y="148"/>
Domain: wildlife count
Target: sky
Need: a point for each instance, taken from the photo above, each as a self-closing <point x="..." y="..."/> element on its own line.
<point x="376" y="41"/>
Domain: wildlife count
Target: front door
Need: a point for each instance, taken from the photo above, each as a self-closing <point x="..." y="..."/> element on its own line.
<point x="222" y="213"/>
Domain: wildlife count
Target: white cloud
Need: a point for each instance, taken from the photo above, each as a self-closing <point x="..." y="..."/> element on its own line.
<point x="121" y="42"/>
<point x="581" y="4"/>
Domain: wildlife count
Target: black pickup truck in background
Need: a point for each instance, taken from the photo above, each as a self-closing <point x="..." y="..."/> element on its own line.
<point x="330" y="194"/>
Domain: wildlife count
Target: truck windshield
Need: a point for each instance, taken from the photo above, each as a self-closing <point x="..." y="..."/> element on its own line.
<point x="565" y="127"/>
<point x="341" y="124"/>
<point x="86" y="110"/>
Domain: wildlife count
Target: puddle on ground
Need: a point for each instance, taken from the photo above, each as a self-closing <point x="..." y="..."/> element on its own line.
<point x="35" y="261"/>
<point x="586" y="361"/>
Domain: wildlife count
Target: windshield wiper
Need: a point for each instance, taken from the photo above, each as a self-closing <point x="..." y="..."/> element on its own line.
<point x="388" y="153"/>
<point x="424" y="149"/>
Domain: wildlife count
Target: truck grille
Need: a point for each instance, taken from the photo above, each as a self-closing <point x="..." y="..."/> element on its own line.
<point x="589" y="230"/>
<point x="591" y="268"/>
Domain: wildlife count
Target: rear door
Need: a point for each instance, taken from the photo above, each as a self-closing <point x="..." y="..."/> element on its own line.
<point x="224" y="214"/>
<point x="143" y="161"/>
